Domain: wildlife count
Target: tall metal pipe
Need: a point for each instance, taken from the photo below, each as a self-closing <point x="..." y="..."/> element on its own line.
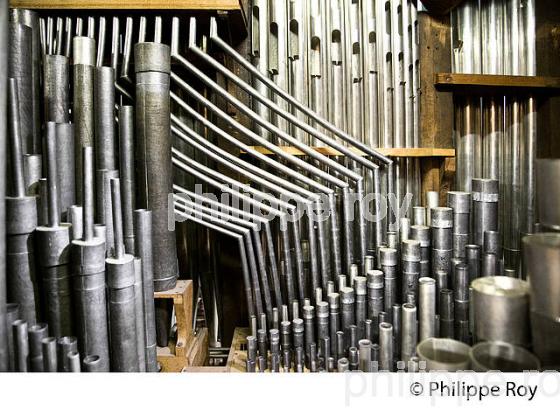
<point x="65" y="155"/>
<point x="20" y="63"/>
<point x="144" y="250"/>
<point x="21" y="213"/>
<point x="427" y="305"/>
<point x="84" y="57"/>
<point x="88" y="268"/>
<point x="127" y="174"/>
<point x="30" y="19"/>
<point x="154" y="154"/>
<point x="56" y="88"/>
<point x="54" y="251"/>
<point x="120" y="282"/>
<point x="104" y="118"/>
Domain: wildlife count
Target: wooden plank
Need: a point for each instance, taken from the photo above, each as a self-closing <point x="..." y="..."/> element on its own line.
<point x="436" y="108"/>
<point x="237" y="357"/>
<point x="197" y="353"/>
<point x="129" y="4"/>
<point x="175" y="357"/>
<point x="391" y="152"/>
<point x="495" y="84"/>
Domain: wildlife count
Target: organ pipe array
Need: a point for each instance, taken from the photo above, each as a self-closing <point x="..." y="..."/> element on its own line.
<point x="495" y="137"/>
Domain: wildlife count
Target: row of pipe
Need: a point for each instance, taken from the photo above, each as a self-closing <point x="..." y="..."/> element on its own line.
<point x="495" y="136"/>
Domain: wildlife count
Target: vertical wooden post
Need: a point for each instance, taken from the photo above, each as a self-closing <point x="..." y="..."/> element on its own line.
<point x="436" y="108"/>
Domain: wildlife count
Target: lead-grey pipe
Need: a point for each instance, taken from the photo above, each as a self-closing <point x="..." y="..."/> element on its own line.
<point x="104" y="118"/>
<point x="89" y="285"/>
<point x="84" y="54"/>
<point x="427" y="305"/>
<point x="20" y="63"/>
<point x="144" y="250"/>
<point x="50" y="361"/>
<point x="152" y="66"/>
<point x="36" y="334"/>
<point x="21" y="345"/>
<point x="21" y="213"/>
<point x="127" y="174"/>
<point x="120" y="284"/>
<point x="56" y="88"/>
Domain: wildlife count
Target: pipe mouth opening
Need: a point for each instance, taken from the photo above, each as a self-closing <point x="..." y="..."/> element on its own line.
<point x="445" y="351"/>
<point x="501" y="286"/>
<point x="67" y="340"/>
<point x="502" y="356"/>
<point x="408" y="306"/>
<point x="38" y="327"/>
<point x="386" y="326"/>
<point x="92" y="359"/>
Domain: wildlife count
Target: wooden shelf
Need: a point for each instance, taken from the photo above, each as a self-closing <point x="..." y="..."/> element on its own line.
<point x="129" y="4"/>
<point x="390" y="152"/>
<point x="502" y="84"/>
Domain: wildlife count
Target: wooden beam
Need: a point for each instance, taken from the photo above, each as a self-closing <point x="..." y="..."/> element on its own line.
<point x="436" y="109"/>
<point x="495" y="84"/>
<point x="390" y="152"/>
<point x="129" y="4"/>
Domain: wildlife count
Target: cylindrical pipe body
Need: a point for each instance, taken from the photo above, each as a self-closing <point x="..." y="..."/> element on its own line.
<point x="502" y="310"/>
<point x="154" y="154"/>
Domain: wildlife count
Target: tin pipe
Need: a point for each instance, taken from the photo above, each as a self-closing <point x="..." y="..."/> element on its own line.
<point x="65" y="155"/>
<point x="388" y="260"/>
<point x="501" y="310"/>
<point x="92" y="364"/>
<point x="50" y="362"/>
<point x="444" y="354"/>
<point x="427" y="307"/>
<point x="154" y="154"/>
<point x="84" y="55"/>
<point x="36" y="334"/>
<point x="386" y="346"/>
<point x="127" y="174"/>
<point x="144" y="250"/>
<point x="88" y="265"/>
<point x="411" y="267"/>
<point x="32" y="172"/>
<point x="104" y="117"/>
<point x="56" y="88"/>
<point x="21" y="213"/>
<point x="30" y="19"/>
<point x="375" y="289"/>
<point x="20" y="64"/>
<point x="503" y="357"/>
<point x="64" y="346"/>
<point x="485" y="208"/>
<point x="54" y="254"/>
<point x="447" y="313"/>
<point x="21" y="346"/>
<point x="121" y="302"/>
<point x="409" y="334"/>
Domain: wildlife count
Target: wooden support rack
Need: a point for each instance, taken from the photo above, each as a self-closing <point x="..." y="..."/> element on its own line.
<point x="189" y="349"/>
<point x="483" y="84"/>
<point x="129" y="4"/>
<point x="390" y="152"/>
